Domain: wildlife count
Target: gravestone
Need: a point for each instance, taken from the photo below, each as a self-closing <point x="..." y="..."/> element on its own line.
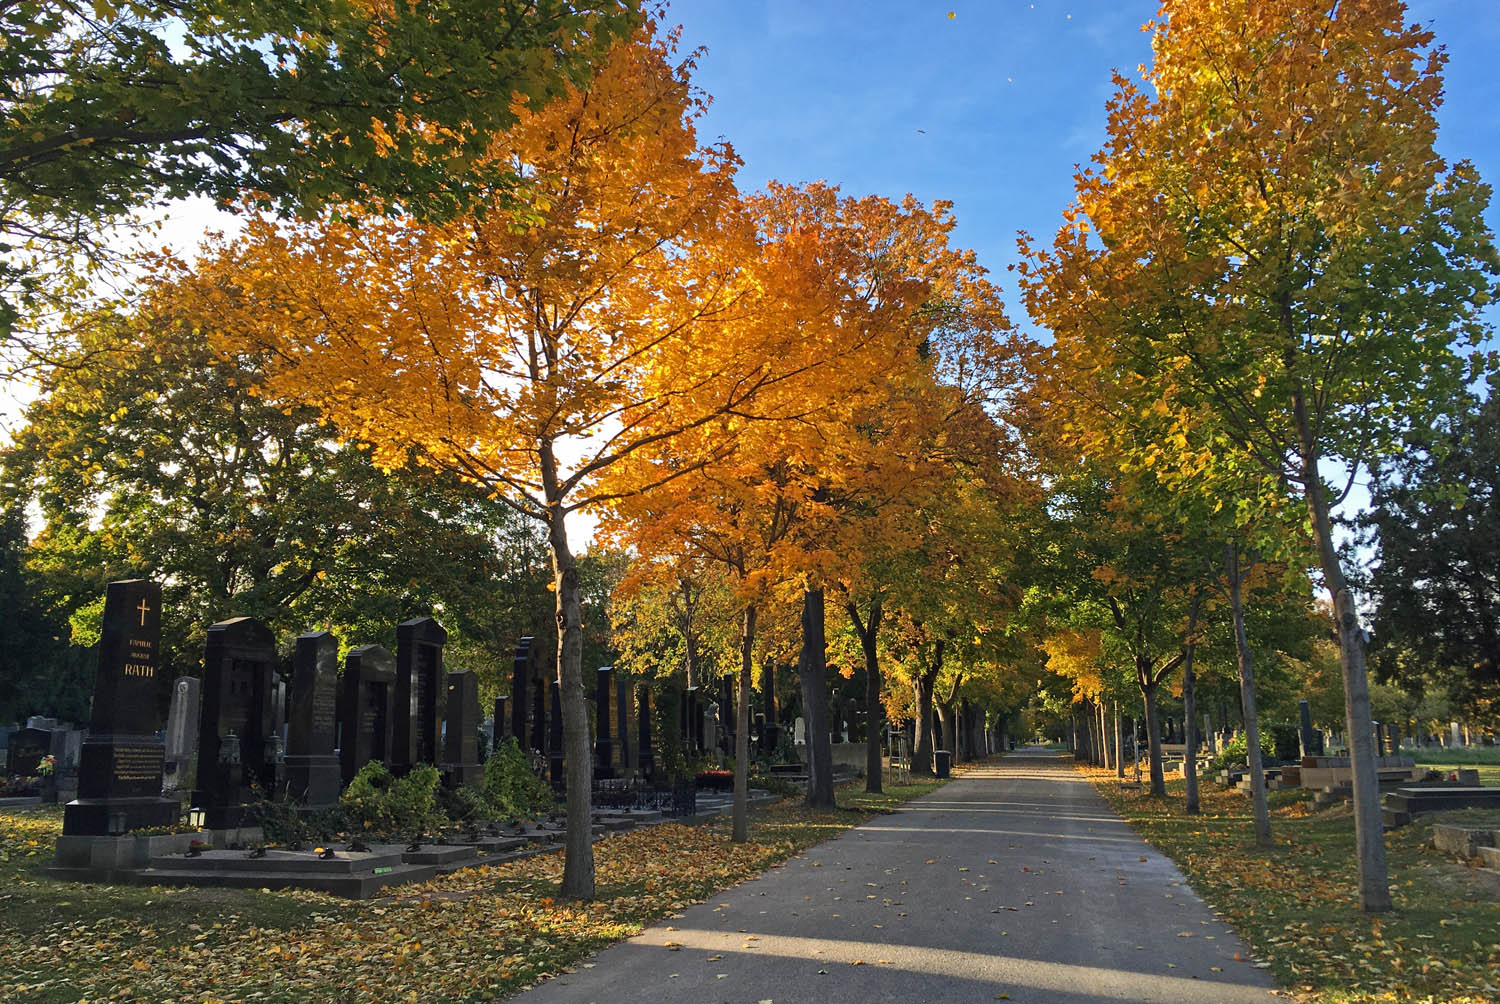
<point x="460" y="747"/>
<point x="502" y="721"/>
<point x="603" y="747"/>
<point x="622" y="720"/>
<point x="236" y="755"/>
<point x="27" y="747"/>
<point x="421" y="688"/>
<point x="313" y="775"/>
<point x="182" y="734"/>
<point x="120" y="760"/>
<point x="538" y="692"/>
<point x="365" y="708"/>
<point x="519" y="680"/>
<point x="646" y="756"/>
<point x="555" y="759"/>
<point x="1312" y="739"/>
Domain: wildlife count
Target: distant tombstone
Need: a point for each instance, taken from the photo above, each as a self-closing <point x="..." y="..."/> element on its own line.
<point x="6" y="731"/>
<point x="603" y="747"/>
<point x="1213" y="743"/>
<point x="182" y="733"/>
<point x="519" y="680"/>
<point x="41" y="722"/>
<point x="312" y="767"/>
<point x="1458" y="738"/>
<point x="182" y="719"/>
<point x="646" y="756"/>
<point x="460" y="747"/>
<point x="622" y="719"/>
<point x="236" y="753"/>
<point x="120" y="760"/>
<point x="421" y="688"/>
<point x="799" y="731"/>
<point x="502" y="720"/>
<point x="365" y="708"/>
<point x="691" y="720"/>
<point x="555" y="758"/>
<point x="538" y="690"/>
<point x="27" y="747"/>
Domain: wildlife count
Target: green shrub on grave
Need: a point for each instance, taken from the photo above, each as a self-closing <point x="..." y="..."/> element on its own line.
<point x="1233" y="754"/>
<point x="379" y="803"/>
<point x="511" y="788"/>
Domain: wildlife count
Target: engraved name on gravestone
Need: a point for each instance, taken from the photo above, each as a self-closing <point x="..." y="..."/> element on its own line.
<point x="312" y="767"/>
<point x="120" y="760"/>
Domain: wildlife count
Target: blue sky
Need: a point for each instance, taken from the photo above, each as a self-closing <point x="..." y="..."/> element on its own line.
<point x="990" y="109"/>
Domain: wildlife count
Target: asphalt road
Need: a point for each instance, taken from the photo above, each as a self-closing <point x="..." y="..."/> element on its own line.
<point x="1015" y="882"/>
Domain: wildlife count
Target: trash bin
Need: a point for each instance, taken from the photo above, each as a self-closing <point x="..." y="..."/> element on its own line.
<point x="943" y="762"/>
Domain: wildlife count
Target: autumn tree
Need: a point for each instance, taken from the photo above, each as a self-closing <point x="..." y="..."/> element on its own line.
<point x="104" y="109"/>
<point x="1275" y="224"/>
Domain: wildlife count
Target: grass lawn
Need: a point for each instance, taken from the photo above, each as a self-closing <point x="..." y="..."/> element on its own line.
<point x="1485" y="759"/>
<point x="473" y="936"/>
<point x="1296" y="903"/>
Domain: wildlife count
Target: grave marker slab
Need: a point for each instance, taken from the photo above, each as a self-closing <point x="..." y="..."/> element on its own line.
<point x="365" y="708"/>
<point x="312" y="767"/>
<point x="236" y="753"/>
<point x="120" y="760"/>
<point x="519" y="680"/>
<point x="460" y="748"/>
<point x="603" y="746"/>
<point x="421" y="688"/>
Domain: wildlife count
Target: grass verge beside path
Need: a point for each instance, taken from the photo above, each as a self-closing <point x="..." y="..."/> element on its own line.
<point x="477" y="935"/>
<point x="1296" y="904"/>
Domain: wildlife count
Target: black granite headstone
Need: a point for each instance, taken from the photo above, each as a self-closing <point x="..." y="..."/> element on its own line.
<point x="421" y="688"/>
<point x="120" y="763"/>
<point x="365" y="708"/>
<point x="520" y="677"/>
<point x="555" y="756"/>
<point x="1312" y="739"/>
<point x="312" y="766"/>
<point x="27" y="747"/>
<point x="647" y="754"/>
<point x="236" y="754"/>
<point x="604" y="766"/>
<point x="538" y="690"/>
<point x="460" y="744"/>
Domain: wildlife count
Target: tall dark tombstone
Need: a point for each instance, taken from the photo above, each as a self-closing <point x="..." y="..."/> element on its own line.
<point x="312" y="768"/>
<point x="538" y="688"/>
<point x="727" y="717"/>
<point x="235" y="751"/>
<point x="421" y="688"/>
<point x="120" y="761"/>
<point x="555" y="758"/>
<point x="502" y="720"/>
<point x="647" y="755"/>
<point x="768" y="689"/>
<point x="1312" y="739"/>
<point x="461" y="764"/>
<point x="604" y="764"/>
<point x="622" y="719"/>
<point x="365" y="708"/>
<point x="520" y="678"/>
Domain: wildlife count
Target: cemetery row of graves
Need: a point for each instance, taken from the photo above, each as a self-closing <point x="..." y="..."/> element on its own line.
<point x="349" y="775"/>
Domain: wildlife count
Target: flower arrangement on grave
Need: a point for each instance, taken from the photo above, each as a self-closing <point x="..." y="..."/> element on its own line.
<point x="46" y="766"/>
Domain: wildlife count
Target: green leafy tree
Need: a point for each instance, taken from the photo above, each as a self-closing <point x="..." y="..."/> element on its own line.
<point x="1275" y="229"/>
<point x="105" y="108"/>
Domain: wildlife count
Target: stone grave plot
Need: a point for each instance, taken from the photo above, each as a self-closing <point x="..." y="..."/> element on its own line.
<point x="1408" y="801"/>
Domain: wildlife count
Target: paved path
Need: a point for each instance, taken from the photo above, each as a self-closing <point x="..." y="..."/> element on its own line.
<point x="1015" y="879"/>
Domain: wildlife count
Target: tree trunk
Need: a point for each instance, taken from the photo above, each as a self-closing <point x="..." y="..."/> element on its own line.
<point x="1247" y="698"/>
<point x="742" y="729"/>
<point x="1369" y="836"/>
<point x="578" y="860"/>
<point x="945" y="725"/>
<point x="813" y="669"/>
<point x="874" y="709"/>
<point x="921" y="754"/>
<point x="1103" y="736"/>
<point x="1153" y="740"/>
<point x="1119" y="746"/>
<point x="1190" y="710"/>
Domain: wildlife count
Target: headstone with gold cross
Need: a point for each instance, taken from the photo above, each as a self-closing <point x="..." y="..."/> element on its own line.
<point x="120" y="761"/>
